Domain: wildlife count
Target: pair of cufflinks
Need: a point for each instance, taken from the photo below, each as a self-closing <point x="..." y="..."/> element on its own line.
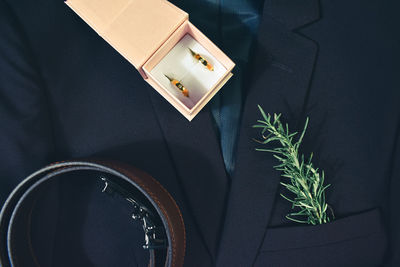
<point x="178" y="85"/>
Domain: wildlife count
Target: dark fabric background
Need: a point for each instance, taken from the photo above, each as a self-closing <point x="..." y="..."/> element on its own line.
<point x="65" y="93"/>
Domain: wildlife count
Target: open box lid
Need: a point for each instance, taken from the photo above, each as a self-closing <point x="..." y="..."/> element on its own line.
<point x="135" y="28"/>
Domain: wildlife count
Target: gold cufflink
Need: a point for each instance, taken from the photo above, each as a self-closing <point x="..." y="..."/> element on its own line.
<point x="201" y="60"/>
<point x="176" y="83"/>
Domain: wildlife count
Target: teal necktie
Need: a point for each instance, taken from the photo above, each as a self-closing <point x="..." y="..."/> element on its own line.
<point x="238" y="22"/>
<point x="230" y="24"/>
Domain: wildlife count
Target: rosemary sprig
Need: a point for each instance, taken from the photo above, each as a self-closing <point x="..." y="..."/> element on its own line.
<point x="304" y="181"/>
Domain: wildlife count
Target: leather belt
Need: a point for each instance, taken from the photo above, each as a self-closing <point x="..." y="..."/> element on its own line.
<point x="152" y="205"/>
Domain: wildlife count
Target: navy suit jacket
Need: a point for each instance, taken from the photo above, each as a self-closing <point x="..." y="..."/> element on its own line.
<point x="65" y="93"/>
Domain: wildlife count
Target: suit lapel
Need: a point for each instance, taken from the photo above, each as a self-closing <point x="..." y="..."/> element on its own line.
<point x="282" y="71"/>
<point x="195" y="151"/>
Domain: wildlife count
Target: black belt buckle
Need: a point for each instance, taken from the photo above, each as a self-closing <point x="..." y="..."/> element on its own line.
<point x="154" y="234"/>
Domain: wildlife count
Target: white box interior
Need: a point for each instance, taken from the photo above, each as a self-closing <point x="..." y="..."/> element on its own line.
<point x="179" y="64"/>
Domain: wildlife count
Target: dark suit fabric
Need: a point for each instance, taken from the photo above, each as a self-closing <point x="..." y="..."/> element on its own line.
<point x="65" y="93"/>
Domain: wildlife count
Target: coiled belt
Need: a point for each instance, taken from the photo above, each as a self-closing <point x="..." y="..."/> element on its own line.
<point x="152" y="205"/>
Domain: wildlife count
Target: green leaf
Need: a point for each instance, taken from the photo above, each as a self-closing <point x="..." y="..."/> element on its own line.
<point x="265" y="150"/>
<point x="288" y="199"/>
<point x="263" y="113"/>
<point x="258" y="126"/>
<point x="295" y="220"/>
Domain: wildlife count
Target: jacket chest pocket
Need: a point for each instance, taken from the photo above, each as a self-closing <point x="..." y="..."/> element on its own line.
<point x="357" y="240"/>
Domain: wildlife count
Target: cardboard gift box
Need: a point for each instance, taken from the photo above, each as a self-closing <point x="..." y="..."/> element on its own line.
<point x="156" y="37"/>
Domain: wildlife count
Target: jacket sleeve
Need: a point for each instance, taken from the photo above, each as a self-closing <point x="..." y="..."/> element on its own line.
<point x="26" y="141"/>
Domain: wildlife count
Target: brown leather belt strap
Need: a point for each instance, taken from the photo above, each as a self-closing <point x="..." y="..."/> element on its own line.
<point x="151" y="191"/>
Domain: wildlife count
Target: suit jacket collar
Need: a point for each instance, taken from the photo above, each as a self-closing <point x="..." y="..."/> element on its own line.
<point x="199" y="165"/>
<point x="292" y="14"/>
<point x="282" y="70"/>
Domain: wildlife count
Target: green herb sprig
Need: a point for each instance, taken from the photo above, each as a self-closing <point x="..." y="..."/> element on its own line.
<point x="305" y="181"/>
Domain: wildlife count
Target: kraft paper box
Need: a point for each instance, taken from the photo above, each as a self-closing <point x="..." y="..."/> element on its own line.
<point x="155" y="37"/>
